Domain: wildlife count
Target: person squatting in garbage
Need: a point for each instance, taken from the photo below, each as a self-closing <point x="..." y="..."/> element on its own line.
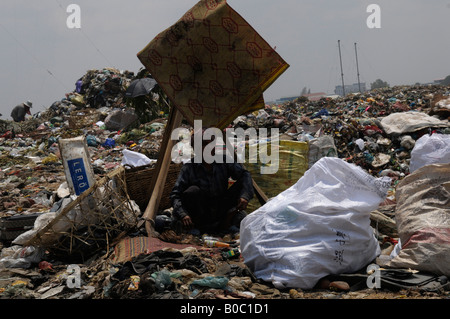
<point x="202" y="199"/>
<point x="18" y="113"/>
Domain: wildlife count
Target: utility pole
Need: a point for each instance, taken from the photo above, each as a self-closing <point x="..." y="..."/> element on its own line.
<point x="357" y="68"/>
<point x="342" y="72"/>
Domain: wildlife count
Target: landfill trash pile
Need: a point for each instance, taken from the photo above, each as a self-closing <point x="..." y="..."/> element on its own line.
<point x="100" y="88"/>
<point x="356" y="123"/>
<point x="187" y="266"/>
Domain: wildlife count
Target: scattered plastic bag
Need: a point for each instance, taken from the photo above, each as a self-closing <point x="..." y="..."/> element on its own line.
<point x="135" y="159"/>
<point x="91" y="140"/>
<point x="422" y="218"/>
<point x="109" y="143"/>
<point x="17" y="256"/>
<point x="322" y="112"/>
<point x="321" y="147"/>
<point x="317" y="227"/>
<point x="430" y="149"/>
<point x="360" y="143"/>
<point x="219" y="282"/>
<point x="163" y="279"/>
<point x="182" y="152"/>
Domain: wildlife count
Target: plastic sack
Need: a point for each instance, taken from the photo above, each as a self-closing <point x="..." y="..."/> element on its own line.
<point x="423" y="221"/>
<point x="78" y="216"/>
<point x="317" y="227"/>
<point x="430" y="149"/>
<point x="290" y="164"/>
<point x="42" y="221"/>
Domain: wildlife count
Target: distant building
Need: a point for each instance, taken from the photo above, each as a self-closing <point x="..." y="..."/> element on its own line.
<point x="315" y="96"/>
<point x="353" y="88"/>
<point x="310" y="96"/>
<point x="434" y="82"/>
<point x="286" y="99"/>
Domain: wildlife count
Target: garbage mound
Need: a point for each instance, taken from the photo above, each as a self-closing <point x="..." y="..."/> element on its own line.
<point x="355" y="129"/>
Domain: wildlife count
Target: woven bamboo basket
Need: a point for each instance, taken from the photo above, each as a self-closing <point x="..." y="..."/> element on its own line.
<point x="83" y="118"/>
<point x="138" y="182"/>
<point x="92" y="222"/>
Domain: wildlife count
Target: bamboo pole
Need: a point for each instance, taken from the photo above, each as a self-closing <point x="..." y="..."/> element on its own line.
<point x="161" y="170"/>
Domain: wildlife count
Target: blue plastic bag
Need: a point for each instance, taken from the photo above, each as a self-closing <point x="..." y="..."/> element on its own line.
<point x="109" y="143"/>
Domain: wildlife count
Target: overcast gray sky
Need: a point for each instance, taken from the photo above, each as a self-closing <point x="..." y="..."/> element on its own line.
<point x="41" y="58"/>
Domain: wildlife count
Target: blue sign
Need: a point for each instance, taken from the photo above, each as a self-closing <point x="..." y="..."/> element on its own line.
<point x="79" y="177"/>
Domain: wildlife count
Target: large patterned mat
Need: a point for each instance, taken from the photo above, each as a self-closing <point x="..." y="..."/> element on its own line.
<point x="131" y="247"/>
<point x="212" y="64"/>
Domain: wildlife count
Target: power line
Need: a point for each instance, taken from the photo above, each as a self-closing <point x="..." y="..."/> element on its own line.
<point x="33" y="56"/>
<point x="98" y="50"/>
<point x="88" y="38"/>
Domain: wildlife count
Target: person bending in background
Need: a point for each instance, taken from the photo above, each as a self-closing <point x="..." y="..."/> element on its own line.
<point x="18" y="113"/>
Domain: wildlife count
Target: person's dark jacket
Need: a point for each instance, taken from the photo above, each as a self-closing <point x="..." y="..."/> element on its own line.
<point x="18" y="113"/>
<point x="214" y="185"/>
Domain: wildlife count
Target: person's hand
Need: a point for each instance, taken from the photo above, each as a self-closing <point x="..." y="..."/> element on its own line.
<point x="187" y="222"/>
<point x="242" y="204"/>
